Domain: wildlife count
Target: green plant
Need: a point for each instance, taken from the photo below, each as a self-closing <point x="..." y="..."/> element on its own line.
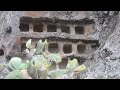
<point x="55" y="58"/>
<point x="16" y="74"/>
<point x="38" y="66"/>
<point x="14" y="63"/>
<point x="2" y="67"/>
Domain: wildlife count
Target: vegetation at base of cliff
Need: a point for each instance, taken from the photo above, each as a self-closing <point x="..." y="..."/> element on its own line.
<point x="37" y="67"/>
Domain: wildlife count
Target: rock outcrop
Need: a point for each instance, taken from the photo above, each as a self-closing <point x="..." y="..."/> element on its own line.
<point x="103" y="64"/>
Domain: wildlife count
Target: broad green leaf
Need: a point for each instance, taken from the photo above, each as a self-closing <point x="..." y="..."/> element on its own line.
<point x="32" y="51"/>
<point x="2" y="66"/>
<point x="72" y="64"/>
<point x="45" y="42"/>
<point x="29" y="44"/>
<point x="40" y="60"/>
<point x="57" y="73"/>
<point x="23" y="66"/>
<point x="46" y="45"/>
<point x="80" y="68"/>
<point x="14" y="63"/>
<point x="27" y="51"/>
<point x="16" y="74"/>
<point x="55" y="58"/>
<point x="32" y="70"/>
<point x="10" y="66"/>
<point x="40" y="47"/>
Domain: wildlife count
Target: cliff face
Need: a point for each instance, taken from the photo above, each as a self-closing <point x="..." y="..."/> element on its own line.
<point x="106" y="59"/>
<point x="104" y="63"/>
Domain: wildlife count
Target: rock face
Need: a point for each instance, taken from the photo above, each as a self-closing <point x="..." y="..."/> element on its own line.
<point x="104" y="63"/>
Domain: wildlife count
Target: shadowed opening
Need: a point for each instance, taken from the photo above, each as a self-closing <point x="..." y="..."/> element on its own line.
<point x="52" y="28"/>
<point x="1" y="52"/>
<point x="81" y="48"/>
<point x="23" y="47"/>
<point x="67" y="48"/>
<point x="38" y="28"/>
<point x="53" y="48"/>
<point x="65" y="29"/>
<point x="24" y="27"/>
<point x="79" y="30"/>
<point x="94" y="47"/>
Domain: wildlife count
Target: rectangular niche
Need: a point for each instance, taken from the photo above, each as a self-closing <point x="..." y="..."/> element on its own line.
<point x="1" y="52"/>
<point x="81" y="48"/>
<point x="79" y="30"/>
<point x="24" y="27"/>
<point x="94" y="47"/>
<point x="67" y="48"/>
<point x="65" y="29"/>
<point x="38" y="28"/>
<point x="53" y="48"/>
<point x="51" y="28"/>
<point x="23" y="47"/>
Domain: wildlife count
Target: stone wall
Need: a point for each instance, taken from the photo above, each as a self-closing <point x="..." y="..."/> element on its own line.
<point x="103" y="63"/>
<point x="44" y="25"/>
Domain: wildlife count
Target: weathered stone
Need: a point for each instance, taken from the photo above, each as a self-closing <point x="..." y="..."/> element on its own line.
<point x="103" y="63"/>
<point x="4" y="73"/>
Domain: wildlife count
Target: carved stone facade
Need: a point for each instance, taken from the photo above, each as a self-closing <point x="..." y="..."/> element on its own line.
<point x="68" y="37"/>
<point x="71" y="38"/>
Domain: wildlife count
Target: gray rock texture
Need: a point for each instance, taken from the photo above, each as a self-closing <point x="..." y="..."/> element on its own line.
<point x="103" y="64"/>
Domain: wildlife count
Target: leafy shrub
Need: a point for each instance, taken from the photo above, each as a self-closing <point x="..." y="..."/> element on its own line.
<point x="38" y="66"/>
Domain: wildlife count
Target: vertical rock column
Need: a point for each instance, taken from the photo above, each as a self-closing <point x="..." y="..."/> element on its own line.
<point x="31" y="27"/>
<point x="72" y="29"/>
<point x="45" y="31"/>
<point x="60" y="45"/>
<point x="74" y="48"/>
<point x="88" y="49"/>
<point x="44" y="27"/>
<point x="59" y="29"/>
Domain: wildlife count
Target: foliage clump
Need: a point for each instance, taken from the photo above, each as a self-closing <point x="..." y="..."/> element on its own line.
<point x="37" y="67"/>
